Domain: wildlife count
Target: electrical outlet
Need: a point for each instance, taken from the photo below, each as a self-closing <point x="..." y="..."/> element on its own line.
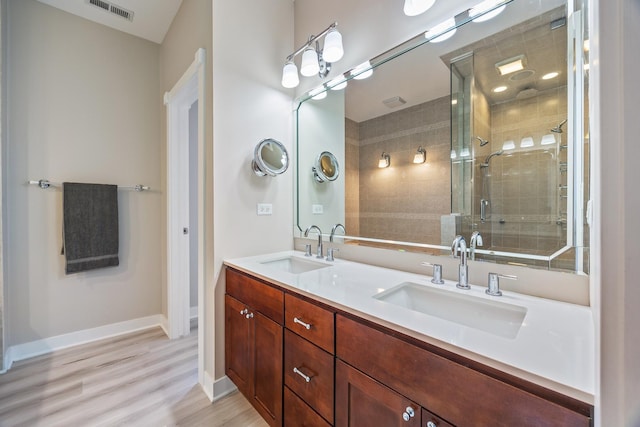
<point x="265" y="209"/>
<point x="317" y="209"/>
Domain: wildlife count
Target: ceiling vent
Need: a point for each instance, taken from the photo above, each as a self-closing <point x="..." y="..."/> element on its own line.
<point x="112" y="8"/>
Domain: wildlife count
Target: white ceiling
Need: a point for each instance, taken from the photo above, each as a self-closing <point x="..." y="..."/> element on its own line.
<point x="151" y="20"/>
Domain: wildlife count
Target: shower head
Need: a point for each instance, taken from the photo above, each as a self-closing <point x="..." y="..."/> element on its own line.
<point x="489" y="157"/>
<point x="558" y="129"/>
<point x="483" y="141"/>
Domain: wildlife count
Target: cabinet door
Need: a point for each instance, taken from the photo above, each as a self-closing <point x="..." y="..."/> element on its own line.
<point x="238" y="344"/>
<point x="362" y="401"/>
<point x="267" y="390"/>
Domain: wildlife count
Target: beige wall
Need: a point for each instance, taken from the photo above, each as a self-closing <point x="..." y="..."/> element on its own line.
<point x="251" y="40"/>
<point x="84" y="106"/>
<point x="352" y="177"/>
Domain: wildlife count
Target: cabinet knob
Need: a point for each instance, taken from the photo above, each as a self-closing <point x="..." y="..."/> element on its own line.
<point x="245" y="311"/>
<point x="300" y="322"/>
<point x="249" y="315"/>
<point x="299" y="372"/>
<point x="431" y="424"/>
<point x="408" y="413"/>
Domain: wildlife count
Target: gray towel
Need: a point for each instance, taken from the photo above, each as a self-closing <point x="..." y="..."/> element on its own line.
<point x="90" y="226"/>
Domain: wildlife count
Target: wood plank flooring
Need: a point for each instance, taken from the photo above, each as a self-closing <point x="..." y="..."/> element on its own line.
<point x="139" y="379"/>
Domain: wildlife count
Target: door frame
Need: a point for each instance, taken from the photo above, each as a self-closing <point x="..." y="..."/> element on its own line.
<point x="189" y="89"/>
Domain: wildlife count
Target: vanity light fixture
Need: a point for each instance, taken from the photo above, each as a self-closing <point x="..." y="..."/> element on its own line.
<point x="338" y="83"/>
<point x="511" y="65"/>
<point x="526" y="142"/>
<point x="453" y="154"/>
<point x="318" y="93"/>
<point x="441" y="32"/>
<point x="362" y="71"/>
<point x="420" y="156"/>
<point x="486" y="10"/>
<point x="550" y="76"/>
<point x="509" y="145"/>
<point x="465" y="152"/>
<point x="385" y="161"/>
<point x="417" y="7"/>
<point x="314" y="59"/>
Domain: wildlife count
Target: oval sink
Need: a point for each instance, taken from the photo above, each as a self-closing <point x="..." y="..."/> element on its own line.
<point x="498" y="318"/>
<point x="294" y="265"/>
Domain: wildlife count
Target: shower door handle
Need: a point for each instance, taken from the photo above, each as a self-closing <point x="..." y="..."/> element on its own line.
<point x="484" y="203"/>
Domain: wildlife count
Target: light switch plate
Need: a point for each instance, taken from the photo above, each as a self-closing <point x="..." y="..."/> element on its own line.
<point x="317" y="209"/>
<point x="265" y="209"/>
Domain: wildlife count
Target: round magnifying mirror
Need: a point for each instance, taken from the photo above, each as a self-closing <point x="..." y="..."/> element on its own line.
<point x="326" y="167"/>
<point x="270" y="157"/>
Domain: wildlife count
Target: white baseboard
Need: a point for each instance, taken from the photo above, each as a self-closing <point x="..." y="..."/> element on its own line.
<point x="59" y="342"/>
<point x="222" y="387"/>
<point x="207" y="386"/>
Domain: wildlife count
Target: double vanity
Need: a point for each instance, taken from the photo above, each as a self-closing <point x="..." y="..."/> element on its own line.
<point x="317" y="343"/>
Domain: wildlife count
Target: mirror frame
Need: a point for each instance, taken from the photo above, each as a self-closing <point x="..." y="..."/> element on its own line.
<point x="258" y="164"/>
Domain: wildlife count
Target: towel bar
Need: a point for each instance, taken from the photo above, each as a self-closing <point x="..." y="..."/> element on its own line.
<point x="44" y="184"/>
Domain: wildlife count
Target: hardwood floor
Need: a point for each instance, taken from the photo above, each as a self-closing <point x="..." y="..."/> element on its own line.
<point x="140" y="379"/>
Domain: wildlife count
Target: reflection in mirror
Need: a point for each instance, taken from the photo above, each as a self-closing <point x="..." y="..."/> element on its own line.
<point x="502" y="114"/>
<point x="326" y="167"/>
<point x="270" y="157"/>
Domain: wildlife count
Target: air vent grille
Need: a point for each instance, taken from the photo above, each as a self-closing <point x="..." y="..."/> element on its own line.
<point x="112" y="8"/>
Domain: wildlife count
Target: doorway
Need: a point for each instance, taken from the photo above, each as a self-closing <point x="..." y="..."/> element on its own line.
<point x="185" y="205"/>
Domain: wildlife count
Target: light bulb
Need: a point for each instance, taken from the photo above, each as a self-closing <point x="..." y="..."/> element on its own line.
<point x="509" y="145"/>
<point x="290" y="75"/>
<point x="318" y="93"/>
<point x="526" y="142"/>
<point x="333" y="49"/>
<point x="417" y="7"/>
<point x="309" y="65"/>
<point x="548" y="139"/>
<point x="420" y="156"/>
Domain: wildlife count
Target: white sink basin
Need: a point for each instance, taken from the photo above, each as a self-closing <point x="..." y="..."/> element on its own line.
<point x="498" y="318"/>
<point x="294" y="265"/>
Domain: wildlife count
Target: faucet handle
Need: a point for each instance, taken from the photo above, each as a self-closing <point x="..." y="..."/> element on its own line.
<point x="494" y="283"/>
<point x="437" y="272"/>
<point x="330" y="252"/>
<point x="307" y="249"/>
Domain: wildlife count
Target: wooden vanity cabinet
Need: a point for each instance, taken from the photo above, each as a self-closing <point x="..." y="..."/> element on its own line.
<point x="254" y="342"/>
<point x="459" y="394"/>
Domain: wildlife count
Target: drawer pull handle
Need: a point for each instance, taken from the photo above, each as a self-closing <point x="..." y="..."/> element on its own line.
<point x="245" y="311"/>
<point x="249" y="315"/>
<point x="299" y="372"/>
<point x="300" y="322"/>
<point x="408" y="413"/>
<point x="431" y="424"/>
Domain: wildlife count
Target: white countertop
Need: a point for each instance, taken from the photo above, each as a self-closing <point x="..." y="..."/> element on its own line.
<point x="554" y="347"/>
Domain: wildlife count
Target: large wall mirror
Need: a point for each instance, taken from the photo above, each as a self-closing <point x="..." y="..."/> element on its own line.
<point x="485" y="127"/>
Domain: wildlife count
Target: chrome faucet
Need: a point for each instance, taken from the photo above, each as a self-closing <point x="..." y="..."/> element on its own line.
<point x="476" y="240"/>
<point x="460" y="246"/>
<point x="306" y="234"/>
<point x="333" y="231"/>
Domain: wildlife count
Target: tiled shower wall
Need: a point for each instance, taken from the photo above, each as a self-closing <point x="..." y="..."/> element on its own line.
<point x="352" y="177"/>
<point x="526" y="201"/>
<point x="405" y="201"/>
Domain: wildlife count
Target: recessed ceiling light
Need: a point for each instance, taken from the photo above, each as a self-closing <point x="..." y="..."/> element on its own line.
<point x="511" y="65"/>
<point x="480" y="12"/>
<point x="499" y="89"/>
<point x="549" y="76"/>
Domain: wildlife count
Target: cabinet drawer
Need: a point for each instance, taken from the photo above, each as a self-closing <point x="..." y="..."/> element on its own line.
<point x="260" y="296"/>
<point x="460" y="394"/>
<point x="310" y="321"/>
<point x="432" y="420"/>
<point x="314" y="363"/>
<point x="299" y="414"/>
